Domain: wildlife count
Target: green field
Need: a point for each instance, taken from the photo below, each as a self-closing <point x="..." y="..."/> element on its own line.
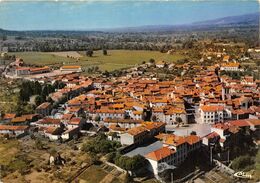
<point x="116" y="59"/>
<point x="41" y="58"/>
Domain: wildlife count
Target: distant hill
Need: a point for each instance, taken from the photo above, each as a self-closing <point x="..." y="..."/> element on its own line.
<point x="231" y="21"/>
<point x="248" y="19"/>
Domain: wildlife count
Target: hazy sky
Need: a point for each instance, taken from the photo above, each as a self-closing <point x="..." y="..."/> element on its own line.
<point x="85" y="15"/>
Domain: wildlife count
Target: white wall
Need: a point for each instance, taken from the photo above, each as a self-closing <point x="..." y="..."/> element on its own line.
<point x="126" y="139"/>
<point x="153" y="166"/>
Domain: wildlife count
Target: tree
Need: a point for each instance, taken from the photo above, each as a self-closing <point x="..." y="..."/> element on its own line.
<point x="104" y="52"/>
<point x="111" y="157"/>
<point x="152" y="61"/>
<point x="257" y="160"/>
<point x="188" y="44"/>
<point x="193" y="133"/>
<point x="24" y="95"/>
<point x="130" y="163"/>
<point x="38" y="100"/>
<point x="154" y="118"/>
<point x="39" y="144"/>
<point x="138" y="161"/>
<point x="97" y="118"/>
<point x="58" y="85"/>
<point x="49" y="100"/>
<point x="94" y="158"/>
<point x="242" y="162"/>
<point x="96" y="68"/>
<point x="44" y="92"/>
<point x="19" y="107"/>
<point x="53" y="151"/>
<point x="28" y="109"/>
<point x="37" y="88"/>
<point x="106" y="73"/>
<point x="90" y="70"/>
<point x="89" y="53"/>
<point x="100" y="144"/>
<point x="258" y="63"/>
<point x="47" y="89"/>
<point x="178" y="120"/>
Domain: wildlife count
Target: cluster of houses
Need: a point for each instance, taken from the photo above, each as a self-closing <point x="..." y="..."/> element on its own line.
<point x="18" y="69"/>
<point x="133" y="110"/>
<point x="29" y="70"/>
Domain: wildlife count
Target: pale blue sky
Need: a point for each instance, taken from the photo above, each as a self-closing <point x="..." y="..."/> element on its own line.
<point x="89" y="15"/>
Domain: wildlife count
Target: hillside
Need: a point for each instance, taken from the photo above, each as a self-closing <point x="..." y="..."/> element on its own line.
<point x="242" y="19"/>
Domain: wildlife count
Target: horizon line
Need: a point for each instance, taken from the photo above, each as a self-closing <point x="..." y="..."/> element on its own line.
<point x="104" y="29"/>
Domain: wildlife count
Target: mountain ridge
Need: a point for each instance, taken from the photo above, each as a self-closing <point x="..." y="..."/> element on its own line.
<point x="252" y="18"/>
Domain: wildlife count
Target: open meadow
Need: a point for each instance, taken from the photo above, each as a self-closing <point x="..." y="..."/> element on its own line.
<point x="116" y="59"/>
<point x="67" y="54"/>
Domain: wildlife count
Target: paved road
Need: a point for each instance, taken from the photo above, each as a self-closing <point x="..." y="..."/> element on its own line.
<point x="200" y="129"/>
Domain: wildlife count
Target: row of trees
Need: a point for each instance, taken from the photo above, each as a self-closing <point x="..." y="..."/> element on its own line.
<point x="160" y="41"/>
<point x="93" y="69"/>
<point x="90" y="53"/>
<point x="29" y="88"/>
<point x="238" y="74"/>
<point x="128" y="163"/>
<point x="243" y="163"/>
<point x="100" y="144"/>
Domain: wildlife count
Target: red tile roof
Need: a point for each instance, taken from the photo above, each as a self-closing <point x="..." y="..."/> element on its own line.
<point x="49" y="121"/>
<point x="71" y="67"/>
<point x="136" y="130"/>
<point x="221" y="126"/>
<point x="239" y="123"/>
<point x="9" y="116"/>
<point x="75" y="121"/>
<point x="160" y="153"/>
<point x="13" y="128"/>
<point x="212" y="135"/>
<point x="192" y="139"/>
<point x="208" y="108"/>
<point x="18" y="119"/>
<point x="67" y="116"/>
<point x="44" y="105"/>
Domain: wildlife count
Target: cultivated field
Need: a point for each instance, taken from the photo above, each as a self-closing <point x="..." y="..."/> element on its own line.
<point x="116" y="59"/>
<point x="42" y="58"/>
<point x="23" y="162"/>
<point x="101" y="174"/>
<point x="72" y="54"/>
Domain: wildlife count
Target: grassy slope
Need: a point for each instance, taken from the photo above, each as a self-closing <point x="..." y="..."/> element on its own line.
<point x="8" y="150"/>
<point x="93" y="174"/>
<point x="116" y="59"/>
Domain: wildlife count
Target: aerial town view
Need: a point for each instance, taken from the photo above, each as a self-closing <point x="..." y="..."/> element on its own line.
<point x="130" y="91"/>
